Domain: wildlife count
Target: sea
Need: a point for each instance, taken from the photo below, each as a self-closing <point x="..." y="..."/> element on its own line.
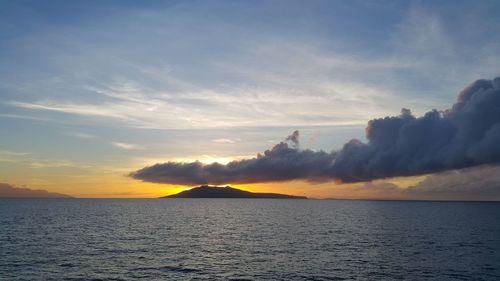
<point x="248" y="239"/>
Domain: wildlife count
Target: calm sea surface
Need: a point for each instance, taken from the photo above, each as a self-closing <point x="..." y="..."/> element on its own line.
<point x="247" y="239"/>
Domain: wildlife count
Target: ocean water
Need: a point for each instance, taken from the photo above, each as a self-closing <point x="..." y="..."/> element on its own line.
<point x="247" y="239"/>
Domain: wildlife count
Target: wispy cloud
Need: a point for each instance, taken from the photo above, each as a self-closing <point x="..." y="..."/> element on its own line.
<point x="13" y="153"/>
<point x="36" y="162"/>
<point x="127" y="146"/>
<point x="228" y="141"/>
<point x="34" y="118"/>
<point x="13" y="156"/>
<point x="106" y="110"/>
<point x="80" y="135"/>
<point x="279" y="81"/>
<point x="52" y="164"/>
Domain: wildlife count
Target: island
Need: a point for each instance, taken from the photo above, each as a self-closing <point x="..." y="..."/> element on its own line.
<point x="11" y="191"/>
<point x="207" y="191"/>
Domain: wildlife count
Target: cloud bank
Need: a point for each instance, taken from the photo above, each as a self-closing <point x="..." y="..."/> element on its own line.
<point x="10" y="191"/>
<point x="470" y="184"/>
<point x="466" y="135"/>
<point x="478" y="183"/>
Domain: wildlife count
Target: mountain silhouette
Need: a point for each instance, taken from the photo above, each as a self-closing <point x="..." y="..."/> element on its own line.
<point x="10" y="191"/>
<point x="207" y="191"/>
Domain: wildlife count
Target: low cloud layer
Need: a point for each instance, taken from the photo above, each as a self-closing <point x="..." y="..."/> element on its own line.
<point x="466" y="135"/>
<point x="477" y="183"/>
<point x="10" y="191"/>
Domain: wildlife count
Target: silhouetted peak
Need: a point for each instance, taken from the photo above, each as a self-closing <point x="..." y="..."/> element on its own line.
<point x="209" y="191"/>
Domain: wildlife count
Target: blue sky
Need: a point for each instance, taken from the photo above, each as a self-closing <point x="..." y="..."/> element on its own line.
<point x="89" y="85"/>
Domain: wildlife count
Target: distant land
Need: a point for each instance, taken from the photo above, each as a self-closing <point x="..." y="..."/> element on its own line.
<point x="10" y="191"/>
<point x="207" y="191"/>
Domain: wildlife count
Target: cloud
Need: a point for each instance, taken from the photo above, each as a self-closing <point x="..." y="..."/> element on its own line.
<point x="79" y="109"/>
<point x="10" y="191"/>
<point x="463" y="136"/>
<point x="224" y="141"/>
<point x="127" y="146"/>
<point x="294" y="139"/>
<point x="251" y="74"/>
<point x="40" y="164"/>
<point x="13" y="153"/>
<point x="475" y="184"/>
<point x="478" y="183"/>
<point x="13" y="156"/>
<point x="80" y="135"/>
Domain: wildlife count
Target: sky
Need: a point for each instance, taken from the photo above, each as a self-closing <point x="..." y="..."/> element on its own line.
<point x="91" y="92"/>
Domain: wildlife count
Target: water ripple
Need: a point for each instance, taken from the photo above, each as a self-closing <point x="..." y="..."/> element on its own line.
<point x="218" y="239"/>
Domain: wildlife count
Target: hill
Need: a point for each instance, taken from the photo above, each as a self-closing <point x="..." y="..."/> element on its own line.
<point x="206" y="191"/>
<point x="10" y="191"/>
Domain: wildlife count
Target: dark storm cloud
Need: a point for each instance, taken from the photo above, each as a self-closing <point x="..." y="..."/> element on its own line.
<point x="281" y="163"/>
<point x="466" y="135"/>
<point x="294" y="138"/>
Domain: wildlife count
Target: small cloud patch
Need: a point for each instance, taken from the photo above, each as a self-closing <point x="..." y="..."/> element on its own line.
<point x="127" y="146"/>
